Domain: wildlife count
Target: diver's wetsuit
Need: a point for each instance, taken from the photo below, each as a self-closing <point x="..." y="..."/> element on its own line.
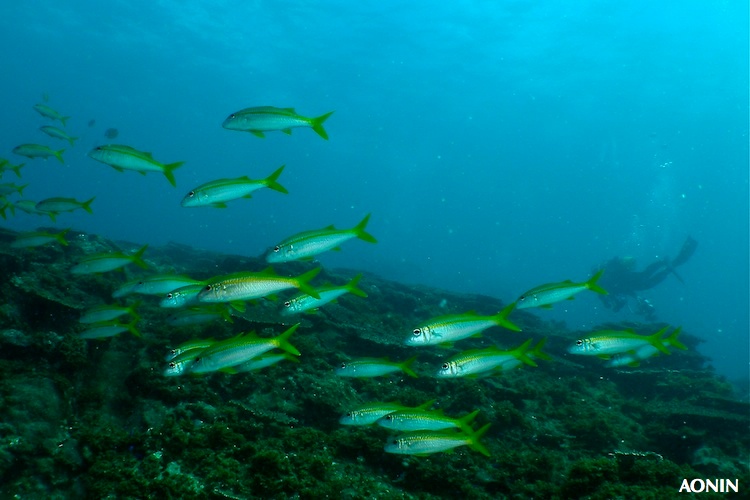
<point x="621" y="281"/>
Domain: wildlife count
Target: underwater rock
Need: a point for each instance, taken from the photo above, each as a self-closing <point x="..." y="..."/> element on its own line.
<point x="15" y="338"/>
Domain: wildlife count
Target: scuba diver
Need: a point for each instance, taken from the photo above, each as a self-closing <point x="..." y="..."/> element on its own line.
<point x="623" y="282"/>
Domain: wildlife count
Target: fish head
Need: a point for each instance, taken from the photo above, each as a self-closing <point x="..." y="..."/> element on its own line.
<point x="344" y="369"/>
<point x="525" y="301"/>
<point x="140" y="287"/>
<point x="449" y="369"/>
<point x="281" y="253"/>
<point x="398" y="445"/>
<point x="389" y="421"/>
<point x="420" y="336"/>
<point x="98" y="153"/>
<point x="583" y="346"/>
<point x="291" y="306"/>
<point x="174" y="369"/>
<point x="233" y="122"/>
<point x="195" y="198"/>
<point x="212" y="292"/>
<point x="174" y="298"/>
<point x="351" y="417"/>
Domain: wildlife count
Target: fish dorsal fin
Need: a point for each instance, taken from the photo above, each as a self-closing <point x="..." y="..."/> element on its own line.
<point x="268" y="271"/>
<point x="291" y="110"/>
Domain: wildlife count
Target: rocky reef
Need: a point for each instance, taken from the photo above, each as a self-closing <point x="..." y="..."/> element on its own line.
<point x="98" y="419"/>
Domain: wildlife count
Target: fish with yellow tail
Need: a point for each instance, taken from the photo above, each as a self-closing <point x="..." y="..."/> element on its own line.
<point x="108" y="312"/>
<point x="423" y="443"/>
<point x="304" y="302"/>
<point x="550" y="293"/>
<point x="38" y="151"/>
<point x="50" y="113"/>
<point x="217" y="193"/>
<point x="109" y="261"/>
<point x="425" y="420"/>
<point x="107" y="329"/>
<point x="58" y="134"/>
<point x="39" y="238"/>
<point x="57" y="205"/>
<point x="251" y="285"/>
<point x="369" y="413"/>
<point x="306" y="245"/>
<point x="225" y="354"/>
<point x="269" y="118"/>
<point x="448" y="329"/>
<point x="633" y="358"/>
<point x="123" y="158"/>
<point x="487" y="361"/>
<point x="607" y="343"/>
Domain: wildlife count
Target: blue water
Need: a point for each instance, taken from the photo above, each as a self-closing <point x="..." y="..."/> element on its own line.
<point x="498" y="145"/>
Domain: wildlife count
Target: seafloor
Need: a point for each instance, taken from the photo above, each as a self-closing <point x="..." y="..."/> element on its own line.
<point x="97" y="419"/>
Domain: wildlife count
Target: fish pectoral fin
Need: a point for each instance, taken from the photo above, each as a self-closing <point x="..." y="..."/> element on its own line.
<point x="118" y="168"/>
<point x="218" y="205"/>
<point x="257" y="133"/>
<point x="546" y="306"/>
<point x="570" y="298"/>
<point x="287" y="131"/>
<point x="238" y="305"/>
<point x="336" y="249"/>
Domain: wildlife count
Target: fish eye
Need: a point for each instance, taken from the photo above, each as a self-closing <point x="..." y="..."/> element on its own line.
<point x="417" y="331"/>
<point x="395" y="441"/>
<point x="389" y="417"/>
<point x="348" y="414"/>
<point x="276" y="248"/>
<point x="579" y="342"/>
<point x="287" y="304"/>
<point x="208" y="288"/>
<point x="141" y="283"/>
<point x="191" y="194"/>
<point x="169" y="295"/>
<point x="522" y="298"/>
<point x="172" y="365"/>
<point x="445" y="366"/>
<point x="343" y="365"/>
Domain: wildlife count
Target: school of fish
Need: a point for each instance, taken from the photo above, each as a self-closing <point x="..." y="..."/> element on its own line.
<point x="420" y="430"/>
